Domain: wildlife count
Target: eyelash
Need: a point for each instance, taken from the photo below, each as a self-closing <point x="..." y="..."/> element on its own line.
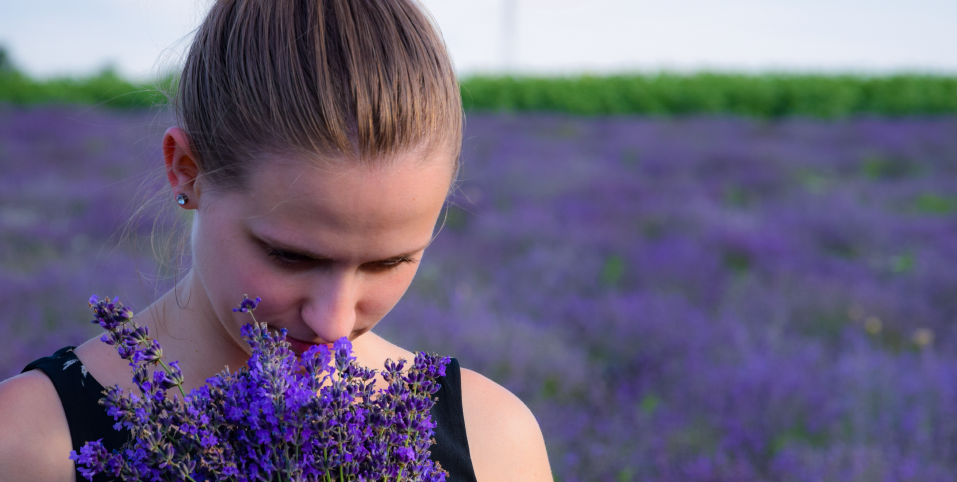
<point x="283" y="258"/>
<point x="289" y="260"/>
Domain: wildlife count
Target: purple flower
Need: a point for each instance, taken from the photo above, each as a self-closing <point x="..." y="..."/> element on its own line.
<point x="278" y="418"/>
<point x="96" y="459"/>
<point x="247" y="304"/>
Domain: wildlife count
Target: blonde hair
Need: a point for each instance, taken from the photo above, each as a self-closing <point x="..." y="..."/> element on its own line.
<point x="354" y="79"/>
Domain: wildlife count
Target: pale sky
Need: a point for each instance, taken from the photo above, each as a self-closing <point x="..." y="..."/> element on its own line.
<point x="143" y="37"/>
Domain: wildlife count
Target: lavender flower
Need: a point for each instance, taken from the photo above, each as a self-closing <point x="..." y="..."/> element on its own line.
<point x="676" y="299"/>
<point x="247" y="304"/>
<point x="279" y="418"/>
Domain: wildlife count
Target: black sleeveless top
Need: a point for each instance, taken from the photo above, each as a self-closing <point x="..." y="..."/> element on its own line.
<point x="79" y="393"/>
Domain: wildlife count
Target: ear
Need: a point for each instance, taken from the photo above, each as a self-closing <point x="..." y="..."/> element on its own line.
<point x="181" y="166"/>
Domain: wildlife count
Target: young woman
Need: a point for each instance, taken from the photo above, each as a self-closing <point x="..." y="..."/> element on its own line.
<point x="317" y="142"/>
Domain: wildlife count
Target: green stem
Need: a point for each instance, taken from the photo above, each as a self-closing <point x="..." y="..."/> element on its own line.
<point x="325" y="456"/>
<point x="170" y="372"/>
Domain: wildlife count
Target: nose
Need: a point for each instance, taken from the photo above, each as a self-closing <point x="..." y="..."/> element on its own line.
<point x="330" y="308"/>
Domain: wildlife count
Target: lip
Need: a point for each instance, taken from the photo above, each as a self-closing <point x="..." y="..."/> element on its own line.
<point x="299" y="346"/>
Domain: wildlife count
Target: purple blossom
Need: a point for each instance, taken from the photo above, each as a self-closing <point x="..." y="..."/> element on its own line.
<point x="247" y="305"/>
<point x="278" y="418"/>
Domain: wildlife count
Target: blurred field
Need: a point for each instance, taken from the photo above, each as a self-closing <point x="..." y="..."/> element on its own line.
<point x="688" y="299"/>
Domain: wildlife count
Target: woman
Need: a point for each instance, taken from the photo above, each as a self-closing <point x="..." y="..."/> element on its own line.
<point x="318" y="140"/>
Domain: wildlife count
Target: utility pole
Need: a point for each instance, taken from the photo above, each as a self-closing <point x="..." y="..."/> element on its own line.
<point x="509" y="34"/>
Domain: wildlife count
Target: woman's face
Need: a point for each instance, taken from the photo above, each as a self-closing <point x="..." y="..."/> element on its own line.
<point x="330" y="250"/>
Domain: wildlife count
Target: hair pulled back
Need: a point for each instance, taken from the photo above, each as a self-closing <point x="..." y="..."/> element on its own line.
<point x="341" y="79"/>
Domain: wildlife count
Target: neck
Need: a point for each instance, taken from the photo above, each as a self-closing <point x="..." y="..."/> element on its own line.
<point x="185" y="325"/>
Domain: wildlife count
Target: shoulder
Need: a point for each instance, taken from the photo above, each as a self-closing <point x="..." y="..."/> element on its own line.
<point x="36" y="443"/>
<point x="372" y="351"/>
<point x="505" y="441"/>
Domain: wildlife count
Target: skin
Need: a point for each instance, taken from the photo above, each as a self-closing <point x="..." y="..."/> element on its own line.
<point x="366" y="229"/>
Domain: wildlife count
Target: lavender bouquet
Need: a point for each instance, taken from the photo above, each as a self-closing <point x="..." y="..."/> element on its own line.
<point x="279" y="418"/>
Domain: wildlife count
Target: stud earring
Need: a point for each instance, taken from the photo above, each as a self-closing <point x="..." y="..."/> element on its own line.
<point x="181" y="199"/>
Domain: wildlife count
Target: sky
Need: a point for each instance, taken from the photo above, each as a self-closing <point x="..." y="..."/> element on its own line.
<point x="142" y="38"/>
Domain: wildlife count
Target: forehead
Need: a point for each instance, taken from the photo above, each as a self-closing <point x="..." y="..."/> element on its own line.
<point x="338" y="204"/>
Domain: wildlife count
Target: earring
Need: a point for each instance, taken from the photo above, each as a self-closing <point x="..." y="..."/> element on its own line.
<point x="181" y="199"/>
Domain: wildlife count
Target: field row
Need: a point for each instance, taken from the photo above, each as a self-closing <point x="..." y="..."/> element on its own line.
<point x="695" y="300"/>
<point x="762" y="96"/>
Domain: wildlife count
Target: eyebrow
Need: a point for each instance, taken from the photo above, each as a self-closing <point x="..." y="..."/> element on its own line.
<point x="321" y="257"/>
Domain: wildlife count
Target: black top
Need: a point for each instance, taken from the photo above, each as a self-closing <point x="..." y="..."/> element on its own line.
<point x="79" y="393"/>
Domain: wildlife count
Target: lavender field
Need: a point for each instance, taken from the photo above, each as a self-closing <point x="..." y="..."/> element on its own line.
<point x="687" y="299"/>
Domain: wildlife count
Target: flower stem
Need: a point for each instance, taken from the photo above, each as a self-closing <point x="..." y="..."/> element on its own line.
<point x="170" y="372"/>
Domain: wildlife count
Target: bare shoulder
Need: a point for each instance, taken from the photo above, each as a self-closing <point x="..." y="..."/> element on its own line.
<point x="35" y="444"/>
<point x="505" y="440"/>
<point x="372" y="351"/>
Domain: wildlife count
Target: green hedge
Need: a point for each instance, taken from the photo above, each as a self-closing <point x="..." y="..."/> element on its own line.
<point x="105" y="88"/>
<point x="707" y="93"/>
<point x="769" y="95"/>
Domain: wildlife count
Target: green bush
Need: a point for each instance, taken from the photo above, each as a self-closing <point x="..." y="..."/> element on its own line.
<point x="105" y="88"/>
<point x="765" y="96"/>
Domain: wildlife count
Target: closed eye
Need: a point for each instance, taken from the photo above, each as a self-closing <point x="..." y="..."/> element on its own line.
<point x="390" y="264"/>
<point x="289" y="259"/>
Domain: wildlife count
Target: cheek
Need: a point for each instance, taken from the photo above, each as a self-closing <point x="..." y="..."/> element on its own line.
<point x="230" y="268"/>
<point x="382" y="295"/>
<point x="251" y="274"/>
